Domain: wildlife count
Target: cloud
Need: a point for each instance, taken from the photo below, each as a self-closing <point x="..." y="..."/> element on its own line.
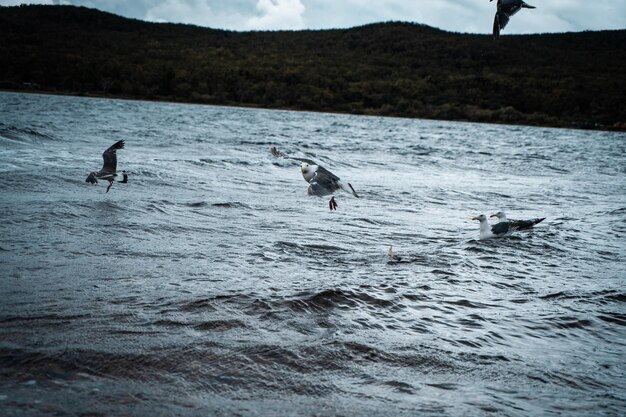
<point x="278" y="14"/>
<point x="234" y="14"/>
<point x="473" y="16"/>
<point x="196" y="12"/>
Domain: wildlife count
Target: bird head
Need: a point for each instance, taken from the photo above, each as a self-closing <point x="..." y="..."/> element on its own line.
<point x="308" y="170"/>
<point x="480" y="218"/>
<point x="500" y="215"/>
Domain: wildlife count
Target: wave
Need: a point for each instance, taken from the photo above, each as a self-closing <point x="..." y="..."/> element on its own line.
<point x="24" y="134"/>
<point x="308" y="249"/>
<point x="210" y="325"/>
<point x="335" y="298"/>
<point x="233" y="204"/>
<point x="594" y="297"/>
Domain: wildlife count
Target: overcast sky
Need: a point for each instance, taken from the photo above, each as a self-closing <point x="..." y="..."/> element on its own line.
<point x="475" y="16"/>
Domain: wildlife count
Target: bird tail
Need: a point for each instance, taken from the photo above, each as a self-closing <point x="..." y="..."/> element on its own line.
<point x="527" y="6"/>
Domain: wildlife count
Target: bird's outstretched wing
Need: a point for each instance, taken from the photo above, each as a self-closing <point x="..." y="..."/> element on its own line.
<point x="279" y="154"/>
<point x="324" y="182"/>
<point x="496" y="27"/>
<point x="502" y="19"/>
<point x="110" y="158"/>
<point x="325" y="175"/>
<point x="514" y="9"/>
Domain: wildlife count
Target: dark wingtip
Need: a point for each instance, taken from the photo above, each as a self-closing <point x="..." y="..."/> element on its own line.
<point x="496" y="27"/>
<point x="276" y="153"/>
<point x="353" y="192"/>
<point x="91" y="178"/>
<point x="117" y="145"/>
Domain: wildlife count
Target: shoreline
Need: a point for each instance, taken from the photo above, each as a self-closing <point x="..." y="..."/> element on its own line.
<point x="621" y="128"/>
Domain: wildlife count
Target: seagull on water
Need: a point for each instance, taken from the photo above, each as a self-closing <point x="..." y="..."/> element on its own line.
<point x="109" y="167"/>
<point x="506" y="9"/>
<point x="519" y="224"/>
<point x="393" y="256"/>
<point x="321" y="181"/>
<point x="500" y="229"/>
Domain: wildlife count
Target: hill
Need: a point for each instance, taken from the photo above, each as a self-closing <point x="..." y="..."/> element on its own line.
<point x="399" y="69"/>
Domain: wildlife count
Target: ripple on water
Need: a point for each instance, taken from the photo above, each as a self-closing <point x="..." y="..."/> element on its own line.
<point x="212" y="284"/>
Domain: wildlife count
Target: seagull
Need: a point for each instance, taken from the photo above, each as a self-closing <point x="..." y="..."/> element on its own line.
<point x="108" y="168"/>
<point x="506" y="9"/>
<point x="392" y="255"/>
<point x="500" y="229"/>
<point x="519" y="224"/>
<point x="321" y="181"/>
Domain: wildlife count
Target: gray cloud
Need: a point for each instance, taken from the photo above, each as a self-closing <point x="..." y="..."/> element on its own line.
<point x="473" y="16"/>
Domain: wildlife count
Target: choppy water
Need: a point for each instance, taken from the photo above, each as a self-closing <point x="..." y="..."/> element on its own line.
<point x="212" y="284"/>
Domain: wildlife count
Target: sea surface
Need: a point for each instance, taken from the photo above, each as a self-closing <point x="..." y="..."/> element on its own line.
<point x="212" y="284"/>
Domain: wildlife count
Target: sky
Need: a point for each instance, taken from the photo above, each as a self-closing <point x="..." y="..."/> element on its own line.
<point x="469" y="16"/>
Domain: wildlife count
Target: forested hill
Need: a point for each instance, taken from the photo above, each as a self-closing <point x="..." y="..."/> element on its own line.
<point x="400" y="69"/>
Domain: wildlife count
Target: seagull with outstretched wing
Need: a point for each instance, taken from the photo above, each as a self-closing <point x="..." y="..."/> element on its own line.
<point x="109" y="167"/>
<point x="506" y="9"/>
<point x="321" y="181"/>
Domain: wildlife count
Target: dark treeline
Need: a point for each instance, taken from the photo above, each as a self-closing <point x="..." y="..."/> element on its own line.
<point x="399" y="69"/>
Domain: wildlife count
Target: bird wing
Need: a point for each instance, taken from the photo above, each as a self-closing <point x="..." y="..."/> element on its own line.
<point x="527" y="224"/>
<point x="110" y="158"/>
<point x="514" y="9"/>
<point x="324" y="182"/>
<point x="496" y="27"/>
<point x="322" y="174"/>
<point x="279" y="154"/>
<point x="502" y="18"/>
<point x="318" y="189"/>
<point x="500" y="228"/>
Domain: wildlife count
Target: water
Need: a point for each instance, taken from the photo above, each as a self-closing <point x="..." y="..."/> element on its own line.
<point x="211" y="284"/>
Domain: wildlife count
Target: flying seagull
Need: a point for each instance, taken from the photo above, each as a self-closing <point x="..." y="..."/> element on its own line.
<point x="519" y="224"/>
<point x="109" y="167"/>
<point x="500" y="229"/>
<point x="321" y="181"/>
<point x="506" y="9"/>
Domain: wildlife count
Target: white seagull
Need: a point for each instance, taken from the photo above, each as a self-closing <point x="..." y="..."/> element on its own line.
<point x="321" y="181"/>
<point x="500" y="229"/>
<point x="518" y="224"/>
<point x="506" y="9"/>
<point x="109" y="167"/>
